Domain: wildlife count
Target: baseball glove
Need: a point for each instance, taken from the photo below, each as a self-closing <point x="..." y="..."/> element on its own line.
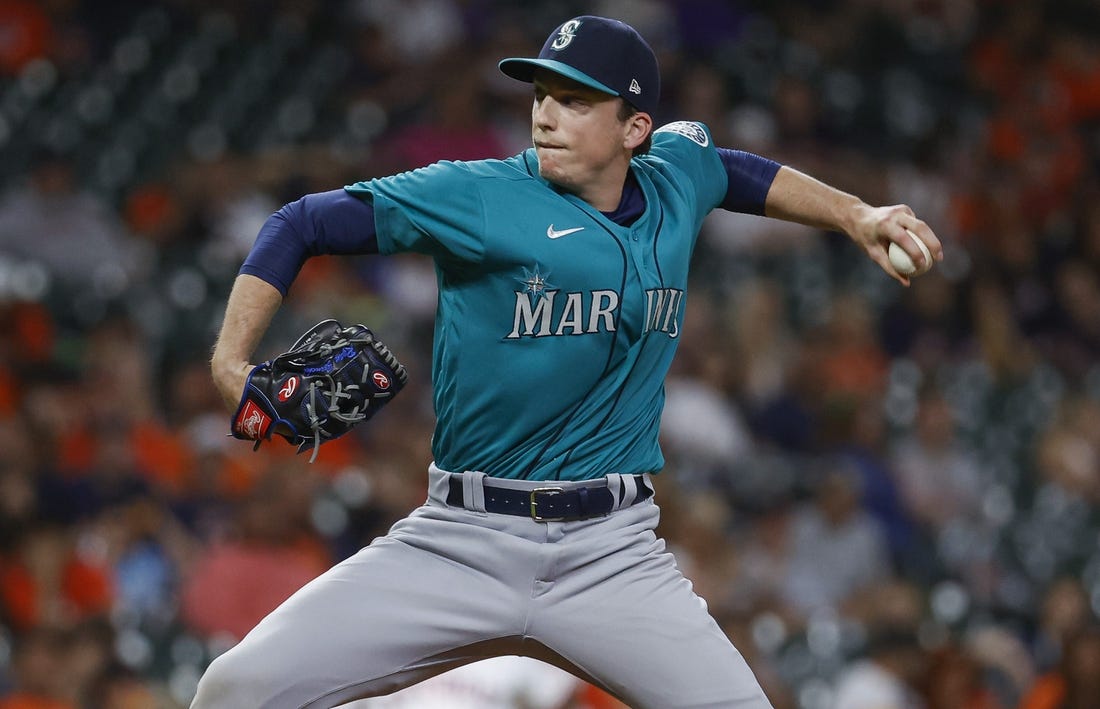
<point x="331" y="379"/>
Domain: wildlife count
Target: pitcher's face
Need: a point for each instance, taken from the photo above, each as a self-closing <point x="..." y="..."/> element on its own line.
<point x="576" y="131"/>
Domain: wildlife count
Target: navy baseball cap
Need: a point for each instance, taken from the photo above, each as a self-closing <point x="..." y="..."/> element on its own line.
<point x="606" y="55"/>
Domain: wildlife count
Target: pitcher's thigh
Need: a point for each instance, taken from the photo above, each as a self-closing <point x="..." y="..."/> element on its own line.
<point x="367" y="627"/>
<point x="647" y="637"/>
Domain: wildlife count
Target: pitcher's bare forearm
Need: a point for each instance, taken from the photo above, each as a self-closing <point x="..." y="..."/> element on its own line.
<point x="797" y="197"/>
<point x="252" y="304"/>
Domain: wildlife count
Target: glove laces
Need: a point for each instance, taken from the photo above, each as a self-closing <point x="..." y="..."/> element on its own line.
<point x="323" y="401"/>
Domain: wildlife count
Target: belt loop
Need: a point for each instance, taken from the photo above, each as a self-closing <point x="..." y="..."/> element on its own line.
<point x="615" y="485"/>
<point x="630" y="490"/>
<point x="473" y="490"/>
<point x="439" y="484"/>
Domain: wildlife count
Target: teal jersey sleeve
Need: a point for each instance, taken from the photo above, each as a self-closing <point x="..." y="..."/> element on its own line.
<point x="685" y="153"/>
<point x="436" y="210"/>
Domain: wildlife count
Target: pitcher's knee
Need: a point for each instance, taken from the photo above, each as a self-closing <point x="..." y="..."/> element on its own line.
<point x="229" y="683"/>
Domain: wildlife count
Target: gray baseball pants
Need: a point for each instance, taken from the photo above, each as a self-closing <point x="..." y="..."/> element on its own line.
<point x="446" y="586"/>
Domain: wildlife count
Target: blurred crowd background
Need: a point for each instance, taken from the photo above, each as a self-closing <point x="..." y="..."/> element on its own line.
<point x="885" y="495"/>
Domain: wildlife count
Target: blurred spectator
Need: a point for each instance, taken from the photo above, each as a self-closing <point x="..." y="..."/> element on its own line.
<point x="1087" y="216"/>
<point x="700" y="524"/>
<point x="120" y="688"/>
<point x="1068" y="451"/>
<point x="230" y="205"/>
<point x="888" y="676"/>
<point x="29" y="337"/>
<point x="895" y="603"/>
<point x="50" y="580"/>
<point x="1003" y="348"/>
<point x="18" y="483"/>
<point x="848" y="362"/>
<point x="235" y="583"/>
<point x="703" y="95"/>
<point x="26" y="33"/>
<point x="147" y="548"/>
<point x="924" y="325"/>
<point x="420" y="30"/>
<point x="49" y="220"/>
<point x="938" y="477"/>
<point x="738" y="626"/>
<point x="837" y="547"/>
<point x="856" y="433"/>
<point x="764" y="560"/>
<point x="1072" y="342"/>
<point x="1007" y="668"/>
<point x="454" y="126"/>
<point x="1064" y="610"/>
<point x="764" y="348"/>
<point x="88" y="652"/>
<point x="39" y="672"/>
<point x="955" y="680"/>
<point x="772" y="372"/>
<point x="1075" y="683"/>
<point x="112" y="442"/>
<point x="701" y="427"/>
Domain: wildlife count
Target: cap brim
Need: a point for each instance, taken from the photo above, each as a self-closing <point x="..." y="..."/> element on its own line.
<point x="524" y="70"/>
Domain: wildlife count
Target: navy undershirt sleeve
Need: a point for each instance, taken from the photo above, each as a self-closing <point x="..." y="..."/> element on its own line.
<point x="750" y="177"/>
<point x="332" y="222"/>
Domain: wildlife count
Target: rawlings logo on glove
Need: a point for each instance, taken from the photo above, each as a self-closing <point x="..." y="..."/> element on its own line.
<point x="331" y="379"/>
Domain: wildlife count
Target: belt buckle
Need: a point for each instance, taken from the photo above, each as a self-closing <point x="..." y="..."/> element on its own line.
<point x="535" y="504"/>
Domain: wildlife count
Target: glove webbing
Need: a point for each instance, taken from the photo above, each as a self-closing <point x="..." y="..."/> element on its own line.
<point x="336" y="391"/>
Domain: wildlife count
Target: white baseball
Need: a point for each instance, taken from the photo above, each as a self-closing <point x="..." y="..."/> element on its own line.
<point x="901" y="261"/>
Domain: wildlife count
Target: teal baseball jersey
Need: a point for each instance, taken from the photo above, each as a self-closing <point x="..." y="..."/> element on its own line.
<point x="579" y="315"/>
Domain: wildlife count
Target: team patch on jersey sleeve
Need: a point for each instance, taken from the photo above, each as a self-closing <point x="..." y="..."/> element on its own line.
<point x="689" y="129"/>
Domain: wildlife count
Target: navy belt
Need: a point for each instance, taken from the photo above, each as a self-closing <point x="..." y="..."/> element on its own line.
<point x="549" y="503"/>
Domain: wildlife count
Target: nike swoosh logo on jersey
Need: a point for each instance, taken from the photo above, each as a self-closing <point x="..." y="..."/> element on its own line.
<point x="555" y="234"/>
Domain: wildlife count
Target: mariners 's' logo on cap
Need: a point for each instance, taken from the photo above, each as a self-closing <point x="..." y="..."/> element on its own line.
<point x="566" y="34"/>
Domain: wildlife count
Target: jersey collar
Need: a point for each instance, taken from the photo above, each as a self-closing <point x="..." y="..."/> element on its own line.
<point x="531" y="162"/>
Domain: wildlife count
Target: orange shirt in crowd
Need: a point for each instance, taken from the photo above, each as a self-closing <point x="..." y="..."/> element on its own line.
<point x="1047" y="693"/>
<point x="32" y="701"/>
<point x="85" y="590"/>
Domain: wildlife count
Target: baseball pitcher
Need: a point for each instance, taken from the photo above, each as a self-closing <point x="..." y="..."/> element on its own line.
<point x="562" y="276"/>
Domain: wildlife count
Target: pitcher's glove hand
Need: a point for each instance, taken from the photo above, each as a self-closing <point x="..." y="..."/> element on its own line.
<point x="331" y="379"/>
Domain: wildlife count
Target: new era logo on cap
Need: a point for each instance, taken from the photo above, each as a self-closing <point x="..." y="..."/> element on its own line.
<point x="607" y="55"/>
